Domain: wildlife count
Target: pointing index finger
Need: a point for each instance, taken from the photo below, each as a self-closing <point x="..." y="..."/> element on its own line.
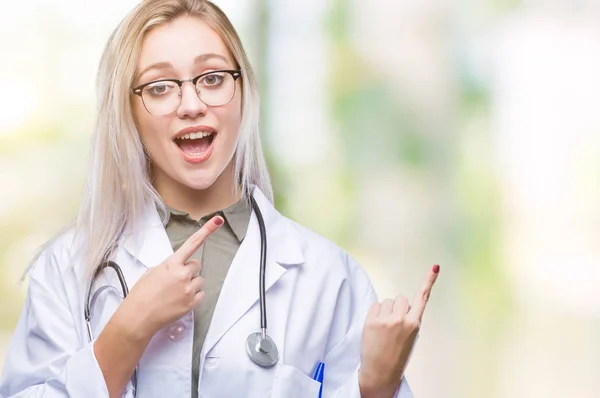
<point x="420" y="301"/>
<point x="192" y="244"/>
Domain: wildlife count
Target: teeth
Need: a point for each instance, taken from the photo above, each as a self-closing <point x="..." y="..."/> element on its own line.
<point x="195" y="136"/>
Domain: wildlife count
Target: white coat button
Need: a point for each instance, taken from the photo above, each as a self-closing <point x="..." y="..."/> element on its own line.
<point x="176" y="331"/>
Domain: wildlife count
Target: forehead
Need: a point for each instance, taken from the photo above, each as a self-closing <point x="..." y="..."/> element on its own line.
<point x="179" y="42"/>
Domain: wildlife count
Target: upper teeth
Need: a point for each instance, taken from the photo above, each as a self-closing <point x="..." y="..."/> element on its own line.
<point x="194" y="136"/>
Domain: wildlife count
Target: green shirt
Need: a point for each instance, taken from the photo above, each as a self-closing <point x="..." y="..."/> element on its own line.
<point x="215" y="255"/>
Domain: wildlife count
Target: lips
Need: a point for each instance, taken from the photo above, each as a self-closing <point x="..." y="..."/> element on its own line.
<point x="195" y="143"/>
<point x="193" y="129"/>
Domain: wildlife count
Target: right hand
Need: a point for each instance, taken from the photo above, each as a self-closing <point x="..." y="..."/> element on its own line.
<point x="389" y="334"/>
<point x="168" y="291"/>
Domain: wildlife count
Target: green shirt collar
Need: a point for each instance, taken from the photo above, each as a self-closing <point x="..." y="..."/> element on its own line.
<point x="237" y="216"/>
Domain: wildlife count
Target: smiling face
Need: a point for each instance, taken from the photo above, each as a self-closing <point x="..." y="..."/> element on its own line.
<point x="192" y="146"/>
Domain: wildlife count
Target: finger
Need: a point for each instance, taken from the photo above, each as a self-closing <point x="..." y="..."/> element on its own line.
<point x="422" y="297"/>
<point x="401" y="305"/>
<point x="193" y="266"/>
<point x="373" y="311"/>
<point x="197" y="284"/>
<point x="386" y="308"/>
<point x="190" y="246"/>
<point x="198" y="298"/>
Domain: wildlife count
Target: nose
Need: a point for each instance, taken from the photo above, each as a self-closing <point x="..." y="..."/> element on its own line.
<point x="191" y="106"/>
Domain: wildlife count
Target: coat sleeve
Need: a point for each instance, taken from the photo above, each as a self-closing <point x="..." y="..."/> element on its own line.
<point x="342" y="361"/>
<point x="46" y="356"/>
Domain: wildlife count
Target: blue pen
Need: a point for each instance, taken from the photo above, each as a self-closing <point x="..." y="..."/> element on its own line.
<point x="319" y="374"/>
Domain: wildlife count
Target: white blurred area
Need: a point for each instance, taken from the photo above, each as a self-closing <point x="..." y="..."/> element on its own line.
<point x="547" y="134"/>
<point x="547" y="125"/>
<point x="540" y="63"/>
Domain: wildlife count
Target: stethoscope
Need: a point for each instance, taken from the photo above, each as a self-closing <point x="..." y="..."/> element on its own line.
<point x="259" y="345"/>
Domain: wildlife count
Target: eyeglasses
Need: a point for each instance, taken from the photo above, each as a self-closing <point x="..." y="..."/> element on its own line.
<point x="214" y="88"/>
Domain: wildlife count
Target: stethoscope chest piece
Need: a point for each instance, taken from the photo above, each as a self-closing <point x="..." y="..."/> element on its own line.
<point x="262" y="349"/>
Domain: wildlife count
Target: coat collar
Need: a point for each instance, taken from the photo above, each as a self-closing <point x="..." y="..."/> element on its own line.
<point x="148" y="241"/>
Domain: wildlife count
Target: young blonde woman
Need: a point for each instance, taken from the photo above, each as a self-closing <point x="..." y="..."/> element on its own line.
<point x="174" y="208"/>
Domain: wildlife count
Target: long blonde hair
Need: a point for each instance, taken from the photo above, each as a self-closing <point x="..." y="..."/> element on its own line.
<point x="119" y="185"/>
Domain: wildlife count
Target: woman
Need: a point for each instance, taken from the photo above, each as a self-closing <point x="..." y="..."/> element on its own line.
<point x="176" y="170"/>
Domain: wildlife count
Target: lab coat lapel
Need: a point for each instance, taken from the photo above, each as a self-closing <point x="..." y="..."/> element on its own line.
<point x="147" y="241"/>
<point x="241" y="290"/>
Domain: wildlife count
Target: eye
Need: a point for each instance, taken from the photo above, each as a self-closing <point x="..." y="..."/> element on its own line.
<point x="160" y="88"/>
<point x="211" y="80"/>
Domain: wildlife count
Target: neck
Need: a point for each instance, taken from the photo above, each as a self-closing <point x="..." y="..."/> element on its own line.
<point x="198" y="203"/>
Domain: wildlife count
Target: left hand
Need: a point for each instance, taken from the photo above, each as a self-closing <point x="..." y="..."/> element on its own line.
<point x="389" y="334"/>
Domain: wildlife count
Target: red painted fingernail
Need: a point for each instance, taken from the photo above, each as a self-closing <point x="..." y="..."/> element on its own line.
<point x="436" y="269"/>
<point x="218" y="221"/>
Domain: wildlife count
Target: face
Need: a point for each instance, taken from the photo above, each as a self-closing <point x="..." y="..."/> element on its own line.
<point x="193" y="145"/>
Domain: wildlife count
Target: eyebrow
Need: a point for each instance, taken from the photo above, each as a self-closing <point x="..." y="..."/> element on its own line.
<point x="166" y="65"/>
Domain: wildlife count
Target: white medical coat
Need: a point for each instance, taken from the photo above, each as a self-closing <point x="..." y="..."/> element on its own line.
<point x="317" y="300"/>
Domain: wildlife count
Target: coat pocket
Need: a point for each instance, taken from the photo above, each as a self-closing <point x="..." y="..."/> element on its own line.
<point x="291" y="382"/>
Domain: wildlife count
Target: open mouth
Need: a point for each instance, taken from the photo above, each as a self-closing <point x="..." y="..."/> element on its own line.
<point x="195" y="144"/>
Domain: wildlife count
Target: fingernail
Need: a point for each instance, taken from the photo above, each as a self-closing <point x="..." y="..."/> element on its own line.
<point x="436" y="269"/>
<point x="218" y="221"/>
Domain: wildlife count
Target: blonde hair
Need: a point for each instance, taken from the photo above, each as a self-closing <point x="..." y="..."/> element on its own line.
<point x="119" y="185"/>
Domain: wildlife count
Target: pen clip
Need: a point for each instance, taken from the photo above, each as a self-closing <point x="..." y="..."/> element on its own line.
<point x="319" y="375"/>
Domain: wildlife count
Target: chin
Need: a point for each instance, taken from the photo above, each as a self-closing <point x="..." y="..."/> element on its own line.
<point x="199" y="182"/>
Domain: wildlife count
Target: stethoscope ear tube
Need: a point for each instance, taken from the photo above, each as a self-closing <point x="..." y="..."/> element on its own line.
<point x="88" y="305"/>
<point x="122" y="282"/>
<point x="263" y="260"/>
<point x="259" y="346"/>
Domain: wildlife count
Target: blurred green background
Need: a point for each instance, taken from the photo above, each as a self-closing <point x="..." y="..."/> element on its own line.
<point x="409" y="132"/>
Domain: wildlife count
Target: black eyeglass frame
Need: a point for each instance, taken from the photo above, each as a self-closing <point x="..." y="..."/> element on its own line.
<point x="235" y="73"/>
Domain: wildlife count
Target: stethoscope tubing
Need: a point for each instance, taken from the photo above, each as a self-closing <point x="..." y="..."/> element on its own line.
<point x="263" y="262"/>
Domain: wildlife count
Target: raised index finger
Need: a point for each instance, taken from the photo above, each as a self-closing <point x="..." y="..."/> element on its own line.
<point x="422" y="297"/>
<point x="190" y="246"/>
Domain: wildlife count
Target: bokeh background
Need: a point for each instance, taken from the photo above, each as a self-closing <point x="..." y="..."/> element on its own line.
<point x="410" y="132"/>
